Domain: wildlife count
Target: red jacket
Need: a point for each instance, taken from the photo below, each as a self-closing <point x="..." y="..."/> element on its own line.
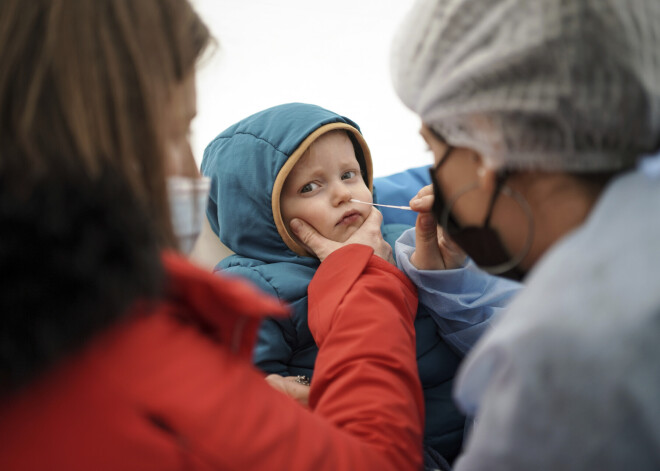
<point x="173" y="387"/>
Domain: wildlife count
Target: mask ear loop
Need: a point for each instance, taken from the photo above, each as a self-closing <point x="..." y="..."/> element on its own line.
<point x="505" y="190"/>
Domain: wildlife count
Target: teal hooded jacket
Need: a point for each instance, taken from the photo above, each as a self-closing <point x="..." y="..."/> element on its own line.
<point x="247" y="164"/>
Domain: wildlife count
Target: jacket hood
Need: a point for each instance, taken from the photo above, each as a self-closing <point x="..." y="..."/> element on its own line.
<point x="248" y="164"/>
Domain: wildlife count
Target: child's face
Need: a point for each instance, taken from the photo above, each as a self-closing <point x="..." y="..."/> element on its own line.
<point x="319" y="188"/>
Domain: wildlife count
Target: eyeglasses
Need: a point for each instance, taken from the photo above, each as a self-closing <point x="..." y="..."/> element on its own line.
<point x="439" y="205"/>
<point x="481" y="243"/>
<point x="438" y="200"/>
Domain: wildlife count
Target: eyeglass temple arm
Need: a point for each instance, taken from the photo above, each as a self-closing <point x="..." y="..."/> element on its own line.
<point x="499" y="183"/>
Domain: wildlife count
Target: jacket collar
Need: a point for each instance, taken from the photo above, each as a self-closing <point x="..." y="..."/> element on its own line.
<point x="230" y="309"/>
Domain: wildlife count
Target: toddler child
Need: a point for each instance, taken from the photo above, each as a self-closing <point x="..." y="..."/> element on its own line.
<point x="302" y="161"/>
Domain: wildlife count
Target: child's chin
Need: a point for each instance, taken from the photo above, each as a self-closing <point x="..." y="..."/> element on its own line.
<point x="347" y="234"/>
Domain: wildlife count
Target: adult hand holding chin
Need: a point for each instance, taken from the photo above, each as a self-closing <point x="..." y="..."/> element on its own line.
<point x="433" y="250"/>
<point x="368" y="234"/>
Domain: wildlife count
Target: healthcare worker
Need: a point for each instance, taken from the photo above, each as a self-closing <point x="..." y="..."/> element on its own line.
<point x="543" y="118"/>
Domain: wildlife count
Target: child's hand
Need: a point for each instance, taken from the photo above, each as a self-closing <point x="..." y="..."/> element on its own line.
<point x="290" y="387"/>
<point x="433" y="251"/>
<point x="368" y="234"/>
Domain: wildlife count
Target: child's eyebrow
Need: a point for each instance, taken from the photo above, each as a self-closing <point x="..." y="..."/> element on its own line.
<point x="344" y="162"/>
<point x="311" y="174"/>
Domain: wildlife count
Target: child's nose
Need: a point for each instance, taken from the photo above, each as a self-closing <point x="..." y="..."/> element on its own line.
<point x="341" y="194"/>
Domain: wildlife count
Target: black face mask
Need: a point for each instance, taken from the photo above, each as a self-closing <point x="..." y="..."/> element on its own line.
<point x="482" y="244"/>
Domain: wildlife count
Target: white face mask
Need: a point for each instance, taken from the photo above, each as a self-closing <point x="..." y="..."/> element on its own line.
<point x="188" y="197"/>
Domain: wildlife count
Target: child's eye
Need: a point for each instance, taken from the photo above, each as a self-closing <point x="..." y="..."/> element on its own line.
<point x="348" y="175"/>
<point x="309" y="187"/>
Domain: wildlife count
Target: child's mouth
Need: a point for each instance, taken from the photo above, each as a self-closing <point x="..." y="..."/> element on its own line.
<point x="349" y="218"/>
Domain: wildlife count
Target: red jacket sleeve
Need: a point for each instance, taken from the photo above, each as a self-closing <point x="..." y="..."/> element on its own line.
<point x="366" y="395"/>
<point x="168" y="391"/>
<point x="361" y="313"/>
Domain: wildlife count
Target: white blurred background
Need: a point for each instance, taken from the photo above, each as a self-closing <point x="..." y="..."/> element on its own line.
<point x="333" y="54"/>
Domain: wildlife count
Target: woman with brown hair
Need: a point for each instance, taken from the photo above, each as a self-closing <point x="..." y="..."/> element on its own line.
<point x="115" y="352"/>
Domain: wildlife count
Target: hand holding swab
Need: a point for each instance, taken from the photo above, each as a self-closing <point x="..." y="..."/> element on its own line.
<point x="407" y="208"/>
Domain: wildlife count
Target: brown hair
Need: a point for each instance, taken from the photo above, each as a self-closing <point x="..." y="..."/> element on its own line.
<point x="83" y="203"/>
<point x="83" y="85"/>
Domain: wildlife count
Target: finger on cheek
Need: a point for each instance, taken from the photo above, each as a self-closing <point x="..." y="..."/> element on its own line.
<point x="296" y="226"/>
<point x="375" y="216"/>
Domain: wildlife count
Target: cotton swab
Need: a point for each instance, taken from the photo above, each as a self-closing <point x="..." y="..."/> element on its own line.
<point x="407" y="208"/>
